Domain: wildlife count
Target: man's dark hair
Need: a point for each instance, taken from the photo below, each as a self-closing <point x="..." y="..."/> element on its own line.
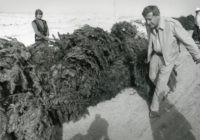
<point x="38" y="11"/>
<point x="151" y="8"/>
<point x="197" y="12"/>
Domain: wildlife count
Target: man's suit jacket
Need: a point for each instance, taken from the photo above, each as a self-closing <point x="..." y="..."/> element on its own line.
<point x="175" y="41"/>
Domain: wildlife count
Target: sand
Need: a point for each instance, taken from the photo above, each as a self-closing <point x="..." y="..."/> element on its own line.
<point x="125" y="117"/>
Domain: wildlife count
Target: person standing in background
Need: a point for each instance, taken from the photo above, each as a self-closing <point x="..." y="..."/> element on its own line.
<point x="40" y="28"/>
<point x="196" y="33"/>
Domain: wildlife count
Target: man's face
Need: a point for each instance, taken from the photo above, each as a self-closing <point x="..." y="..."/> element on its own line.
<point x="151" y="20"/>
<point x="39" y="16"/>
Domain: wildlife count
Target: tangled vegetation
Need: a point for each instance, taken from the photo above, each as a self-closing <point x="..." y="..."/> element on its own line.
<point x="187" y="22"/>
<point x="43" y="86"/>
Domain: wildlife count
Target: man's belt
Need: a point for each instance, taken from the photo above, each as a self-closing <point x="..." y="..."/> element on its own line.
<point x="157" y="53"/>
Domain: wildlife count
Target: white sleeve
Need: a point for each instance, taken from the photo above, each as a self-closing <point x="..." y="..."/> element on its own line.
<point x="198" y="20"/>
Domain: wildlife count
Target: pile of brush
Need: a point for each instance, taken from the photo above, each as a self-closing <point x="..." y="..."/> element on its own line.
<point x="135" y="48"/>
<point x="43" y="86"/>
<point x="187" y="22"/>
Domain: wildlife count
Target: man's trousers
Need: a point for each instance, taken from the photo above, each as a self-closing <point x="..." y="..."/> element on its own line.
<point x="177" y="77"/>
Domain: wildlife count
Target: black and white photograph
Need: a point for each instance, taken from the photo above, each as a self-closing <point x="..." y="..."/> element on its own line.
<point x="99" y="70"/>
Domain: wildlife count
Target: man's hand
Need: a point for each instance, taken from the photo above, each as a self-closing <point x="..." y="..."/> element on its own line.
<point x="198" y="61"/>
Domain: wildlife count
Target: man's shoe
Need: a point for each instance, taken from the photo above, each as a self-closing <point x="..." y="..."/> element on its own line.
<point x="154" y="114"/>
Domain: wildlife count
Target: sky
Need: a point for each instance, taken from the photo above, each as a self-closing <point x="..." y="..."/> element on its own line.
<point x="170" y="8"/>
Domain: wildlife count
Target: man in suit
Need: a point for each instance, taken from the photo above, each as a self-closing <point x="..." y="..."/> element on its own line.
<point x="170" y="49"/>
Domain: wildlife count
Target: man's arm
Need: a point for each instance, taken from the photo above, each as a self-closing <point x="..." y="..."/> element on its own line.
<point x="47" y="29"/>
<point x="198" y="21"/>
<point x="148" y="31"/>
<point x="183" y="36"/>
<point x="149" y="44"/>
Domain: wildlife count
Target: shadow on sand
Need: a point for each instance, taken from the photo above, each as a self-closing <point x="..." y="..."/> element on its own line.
<point x="171" y="125"/>
<point x="98" y="130"/>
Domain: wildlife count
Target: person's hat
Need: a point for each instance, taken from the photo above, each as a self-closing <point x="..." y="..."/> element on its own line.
<point x="197" y="9"/>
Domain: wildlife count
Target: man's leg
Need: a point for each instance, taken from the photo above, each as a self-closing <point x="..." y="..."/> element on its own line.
<point x="161" y="86"/>
<point x="186" y="70"/>
<point x="154" y="67"/>
<point x="172" y="81"/>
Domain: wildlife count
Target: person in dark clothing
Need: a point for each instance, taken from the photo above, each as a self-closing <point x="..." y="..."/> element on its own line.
<point x="196" y="33"/>
<point x="40" y="27"/>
